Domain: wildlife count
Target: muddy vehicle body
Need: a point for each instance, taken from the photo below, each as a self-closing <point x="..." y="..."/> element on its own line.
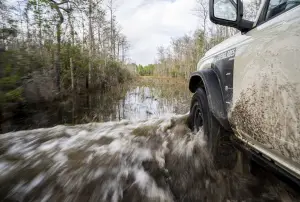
<point x="248" y="86"/>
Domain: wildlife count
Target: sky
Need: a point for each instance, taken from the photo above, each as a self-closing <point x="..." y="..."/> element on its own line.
<point x="149" y="24"/>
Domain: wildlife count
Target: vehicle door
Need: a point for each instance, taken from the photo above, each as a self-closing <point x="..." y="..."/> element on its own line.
<point x="266" y="84"/>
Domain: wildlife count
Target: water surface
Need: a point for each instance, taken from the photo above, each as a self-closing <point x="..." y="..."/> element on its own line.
<point x="139" y="100"/>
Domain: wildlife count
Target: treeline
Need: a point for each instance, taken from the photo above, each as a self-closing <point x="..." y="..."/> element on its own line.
<point x="180" y="58"/>
<point x="147" y="70"/>
<point x="50" y="48"/>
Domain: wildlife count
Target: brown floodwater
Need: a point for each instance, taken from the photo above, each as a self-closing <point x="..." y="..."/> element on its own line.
<point x="134" y="146"/>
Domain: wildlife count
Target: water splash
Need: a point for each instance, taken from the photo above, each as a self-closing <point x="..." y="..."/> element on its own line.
<point x="155" y="160"/>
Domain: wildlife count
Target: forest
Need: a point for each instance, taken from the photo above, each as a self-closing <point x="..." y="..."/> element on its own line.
<point x="51" y="48"/>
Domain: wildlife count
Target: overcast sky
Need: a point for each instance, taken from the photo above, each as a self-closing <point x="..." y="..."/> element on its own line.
<point x="152" y="23"/>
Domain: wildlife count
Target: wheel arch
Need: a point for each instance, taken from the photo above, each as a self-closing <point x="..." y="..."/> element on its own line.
<point x="208" y="80"/>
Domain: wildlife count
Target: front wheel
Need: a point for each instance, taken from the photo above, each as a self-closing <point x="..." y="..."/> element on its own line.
<point x="218" y="142"/>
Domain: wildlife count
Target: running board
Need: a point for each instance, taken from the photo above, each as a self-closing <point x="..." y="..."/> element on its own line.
<point x="266" y="164"/>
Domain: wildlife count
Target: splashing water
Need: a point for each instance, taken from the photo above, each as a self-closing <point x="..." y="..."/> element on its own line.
<point x="155" y="160"/>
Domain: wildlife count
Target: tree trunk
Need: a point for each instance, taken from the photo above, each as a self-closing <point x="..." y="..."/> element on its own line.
<point x="112" y="40"/>
<point x="72" y="44"/>
<point x="82" y="46"/>
<point x="91" y="44"/>
<point x="72" y="74"/>
<point x="40" y="26"/>
<point x="27" y="27"/>
<point x="99" y="39"/>
<point x="58" y="40"/>
<point x="57" y="62"/>
<point x="118" y="53"/>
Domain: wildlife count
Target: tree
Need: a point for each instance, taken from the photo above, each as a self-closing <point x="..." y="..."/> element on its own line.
<point x="202" y="11"/>
<point x="179" y="59"/>
<point x="58" y="45"/>
<point x="91" y="41"/>
<point x="59" y="7"/>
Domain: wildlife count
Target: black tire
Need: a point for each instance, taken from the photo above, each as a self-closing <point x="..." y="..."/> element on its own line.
<point x="218" y="142"/>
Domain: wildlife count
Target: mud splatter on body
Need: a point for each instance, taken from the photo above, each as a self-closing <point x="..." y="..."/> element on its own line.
<point x="268" y="110"/>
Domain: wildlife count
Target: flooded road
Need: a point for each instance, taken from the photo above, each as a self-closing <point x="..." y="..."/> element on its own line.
<point x="141" y="99"/>
<point x="150" y="155"/>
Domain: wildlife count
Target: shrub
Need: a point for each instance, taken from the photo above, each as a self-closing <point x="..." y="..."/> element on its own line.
<point x="14" y="95"/>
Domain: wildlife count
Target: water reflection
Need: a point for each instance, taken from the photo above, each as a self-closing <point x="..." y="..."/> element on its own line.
<point x="134" y="102"/>
<point x="142" y="103"/>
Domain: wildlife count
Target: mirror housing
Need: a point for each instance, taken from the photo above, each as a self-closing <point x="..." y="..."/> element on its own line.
<point x="240" y="23"/>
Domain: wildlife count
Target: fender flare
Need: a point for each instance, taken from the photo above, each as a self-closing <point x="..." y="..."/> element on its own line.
<point x="208" y="80"/>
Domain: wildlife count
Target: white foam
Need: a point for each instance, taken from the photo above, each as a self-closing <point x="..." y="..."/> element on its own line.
<point x="50" y="145"/>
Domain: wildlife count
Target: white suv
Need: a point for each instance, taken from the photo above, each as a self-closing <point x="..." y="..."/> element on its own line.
<point x="249" y="85"/>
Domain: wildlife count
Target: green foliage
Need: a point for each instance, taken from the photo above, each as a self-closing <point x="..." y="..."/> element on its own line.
<point x="14" y="95"/>
<point x="174" y="73"/>
<point x="147" y="70"/>
<point x="20" y="62"/>
<point x="9" y="82"/>
<point x="11" y="67"/>
<point x="113" y="69"/>
<point x="105" y="74"/>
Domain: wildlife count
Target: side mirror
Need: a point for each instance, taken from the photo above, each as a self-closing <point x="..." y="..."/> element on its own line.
<point x="229" y="13"/>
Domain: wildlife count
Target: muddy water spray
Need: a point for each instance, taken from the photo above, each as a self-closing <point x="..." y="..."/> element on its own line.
<point x="154" y="160"/>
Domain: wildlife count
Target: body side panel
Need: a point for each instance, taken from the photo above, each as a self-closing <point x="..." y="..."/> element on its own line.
<point x="266" y="90"/>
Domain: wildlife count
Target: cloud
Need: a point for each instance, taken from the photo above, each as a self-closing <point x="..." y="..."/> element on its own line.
<point x="152" y="23"/>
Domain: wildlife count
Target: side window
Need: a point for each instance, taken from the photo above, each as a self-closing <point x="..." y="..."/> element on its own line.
<point x="277" y="7"/>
